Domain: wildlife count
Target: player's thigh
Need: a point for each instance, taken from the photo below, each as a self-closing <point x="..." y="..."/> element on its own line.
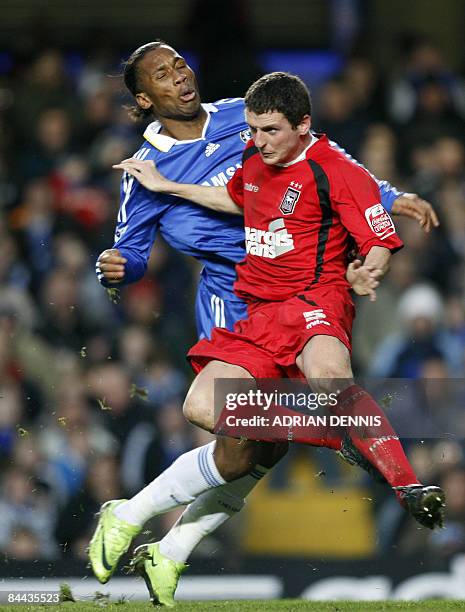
<point x="325" y="359"/>
<point x="199" y="405"/>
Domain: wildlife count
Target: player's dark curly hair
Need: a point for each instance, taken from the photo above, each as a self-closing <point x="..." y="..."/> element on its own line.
<point x="280" y="92"/>
<point x="131" y="77"/>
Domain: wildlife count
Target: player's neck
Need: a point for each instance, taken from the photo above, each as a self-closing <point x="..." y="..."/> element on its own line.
<point x="184" y="130"/>
<point x="305" y="142"/>
<point x="299" y="154"/>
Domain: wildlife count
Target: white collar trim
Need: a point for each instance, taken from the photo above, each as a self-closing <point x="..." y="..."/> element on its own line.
<point x="302" y="155"/>
<point x="165" y="143"/>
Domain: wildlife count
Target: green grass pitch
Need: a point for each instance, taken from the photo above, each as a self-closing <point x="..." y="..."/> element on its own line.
<point x="247" y="606"/>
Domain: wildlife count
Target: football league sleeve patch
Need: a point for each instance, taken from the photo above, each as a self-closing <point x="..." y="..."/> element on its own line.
<point x="362" y="214"/>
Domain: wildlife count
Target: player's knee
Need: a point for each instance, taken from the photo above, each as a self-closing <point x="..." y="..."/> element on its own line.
<point x="197" y="411"/>
<point x="324" y="377"/>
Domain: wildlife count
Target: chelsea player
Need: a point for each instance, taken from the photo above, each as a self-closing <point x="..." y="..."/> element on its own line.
<point x="203" y="144"/>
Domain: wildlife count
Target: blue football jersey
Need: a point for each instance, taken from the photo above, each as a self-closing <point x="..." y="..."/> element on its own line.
<point x="215" y="239"/>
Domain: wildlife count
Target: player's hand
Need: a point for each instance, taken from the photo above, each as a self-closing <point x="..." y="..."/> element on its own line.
<point x="111" y="264"/>
<point x="145" y="172"/>
<point x="411" y="205"/>
<point x="364" y="279"/>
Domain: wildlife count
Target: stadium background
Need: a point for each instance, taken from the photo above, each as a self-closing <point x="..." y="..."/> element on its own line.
<point x="91" y="392"/>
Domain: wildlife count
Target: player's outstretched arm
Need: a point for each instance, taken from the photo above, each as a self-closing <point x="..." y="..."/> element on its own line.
<point x="411" y="205"/>
<point x="398" y="203"/>
<point x="145" y="171"/>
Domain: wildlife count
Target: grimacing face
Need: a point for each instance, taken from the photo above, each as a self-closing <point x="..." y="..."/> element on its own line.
<point x="275" y="138"/>
<point x="168" y="85"/>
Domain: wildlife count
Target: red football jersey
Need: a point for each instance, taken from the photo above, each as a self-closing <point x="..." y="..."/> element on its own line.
<point x="299" y="220"/>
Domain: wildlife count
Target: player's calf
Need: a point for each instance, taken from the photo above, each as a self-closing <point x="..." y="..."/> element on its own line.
<point x="236" y="458"/>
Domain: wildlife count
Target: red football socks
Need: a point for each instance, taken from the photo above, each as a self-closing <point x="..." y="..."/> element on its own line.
<point x="378" y="444"/>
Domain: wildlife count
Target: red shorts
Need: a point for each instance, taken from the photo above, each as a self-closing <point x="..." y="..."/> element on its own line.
<point x="268" y="342"/>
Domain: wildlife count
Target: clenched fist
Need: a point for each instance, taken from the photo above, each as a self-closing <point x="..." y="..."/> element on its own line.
<point x="111" y="264"/>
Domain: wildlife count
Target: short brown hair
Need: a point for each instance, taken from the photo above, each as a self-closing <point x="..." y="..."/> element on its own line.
<point x="280" y="92"/>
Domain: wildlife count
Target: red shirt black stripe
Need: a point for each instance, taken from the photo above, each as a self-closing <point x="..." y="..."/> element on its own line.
<point x="299" y="221"/>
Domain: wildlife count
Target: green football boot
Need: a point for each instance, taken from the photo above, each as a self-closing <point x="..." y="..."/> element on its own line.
<point x="111" y="539"/>
<point x="161" y="574"/>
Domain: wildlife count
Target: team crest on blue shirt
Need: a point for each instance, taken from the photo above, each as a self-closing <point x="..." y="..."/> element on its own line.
<point x="290" y="198"/>
<point x="245" y="136"/>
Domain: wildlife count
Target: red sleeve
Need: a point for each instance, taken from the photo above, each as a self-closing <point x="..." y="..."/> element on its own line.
<point x="358" y="202"/>
<point x="235" y="188"/>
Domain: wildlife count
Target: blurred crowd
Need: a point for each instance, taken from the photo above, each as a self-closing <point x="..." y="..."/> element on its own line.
<point x="91" y="391"/>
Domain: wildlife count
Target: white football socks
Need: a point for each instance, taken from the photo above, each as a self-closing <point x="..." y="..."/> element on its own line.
<point x="189" y="476"/>
<point x="208" y="512"/>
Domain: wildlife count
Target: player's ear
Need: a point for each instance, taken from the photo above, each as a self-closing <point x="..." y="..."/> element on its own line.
<point x="143" y="101"/>
<point x="305" y="125"/>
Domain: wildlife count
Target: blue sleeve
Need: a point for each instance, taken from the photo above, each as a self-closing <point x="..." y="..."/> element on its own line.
<point x="388" y="192"/>
<point x="138" y="221"/>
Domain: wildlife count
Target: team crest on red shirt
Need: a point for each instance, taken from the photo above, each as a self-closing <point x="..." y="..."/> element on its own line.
<point x="290" y="198"/>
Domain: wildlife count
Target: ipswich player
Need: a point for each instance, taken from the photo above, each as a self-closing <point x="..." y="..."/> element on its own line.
<point x="202" y="144"/>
